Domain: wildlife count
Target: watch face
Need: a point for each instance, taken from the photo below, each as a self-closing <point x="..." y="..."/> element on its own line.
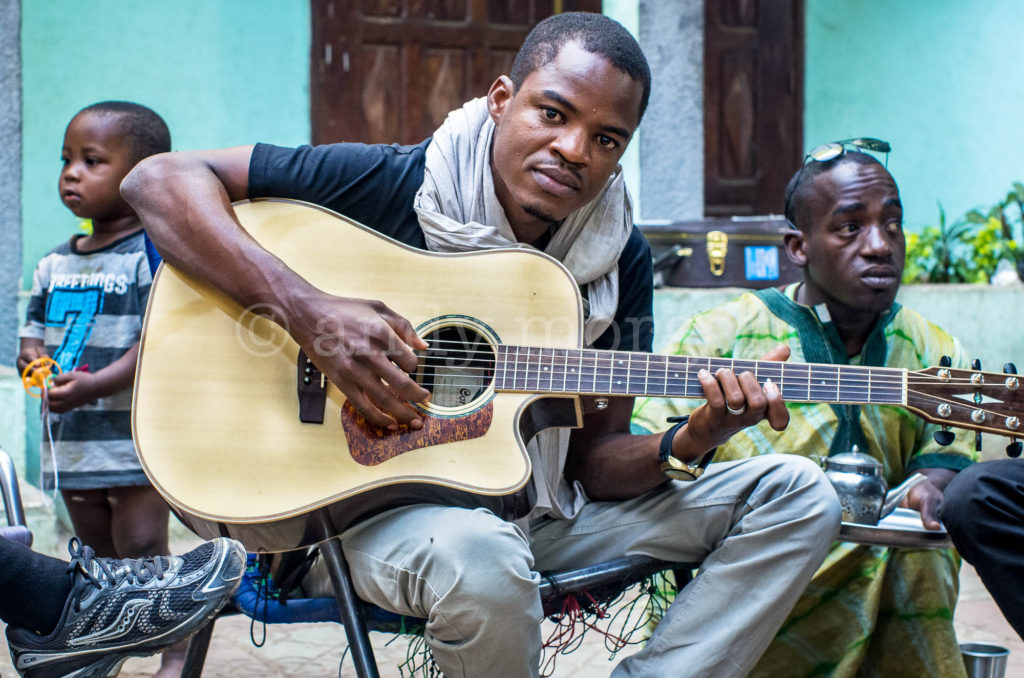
<point x="676" y="470"/>
<point x="679" y="474"/>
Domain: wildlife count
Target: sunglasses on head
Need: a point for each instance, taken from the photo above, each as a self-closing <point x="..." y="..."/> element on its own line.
<point x="833" y="150"/>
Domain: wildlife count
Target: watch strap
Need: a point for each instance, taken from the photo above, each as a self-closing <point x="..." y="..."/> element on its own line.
<point x="665" y="449"/>
<point x="677" y="469"/>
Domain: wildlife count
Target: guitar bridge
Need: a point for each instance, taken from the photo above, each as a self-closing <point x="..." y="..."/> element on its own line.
<point x="312" y="391"/>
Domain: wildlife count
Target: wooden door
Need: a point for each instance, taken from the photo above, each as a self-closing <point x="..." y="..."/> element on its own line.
<point x="753" y="103"/>
<point x="385" y="71"/>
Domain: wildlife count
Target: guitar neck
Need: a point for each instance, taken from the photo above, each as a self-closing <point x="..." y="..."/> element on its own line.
<point x="620" y="373"/>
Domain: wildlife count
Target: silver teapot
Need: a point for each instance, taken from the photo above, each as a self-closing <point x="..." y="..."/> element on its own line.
<point x="863" y="492"/>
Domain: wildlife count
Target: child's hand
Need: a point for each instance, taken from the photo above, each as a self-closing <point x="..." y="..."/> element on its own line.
<point x="71" y="390"/>
<point x="29" y="353"/>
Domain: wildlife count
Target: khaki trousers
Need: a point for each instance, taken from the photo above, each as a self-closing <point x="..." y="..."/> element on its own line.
<point x="759" y="527"/>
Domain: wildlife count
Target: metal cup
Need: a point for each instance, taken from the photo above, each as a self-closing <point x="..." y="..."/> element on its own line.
<point x="983" y="660"/>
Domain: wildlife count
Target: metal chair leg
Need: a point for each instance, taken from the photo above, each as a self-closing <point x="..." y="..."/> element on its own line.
<point x="11" y="491"/>
<point x="16" y="528"/>
<point x="195" y="658"/>
<point x="348" y="603"/>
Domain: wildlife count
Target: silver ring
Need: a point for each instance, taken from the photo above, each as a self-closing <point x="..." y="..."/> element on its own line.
<point x="736" y="412"/>
<point x="600" y="404"/>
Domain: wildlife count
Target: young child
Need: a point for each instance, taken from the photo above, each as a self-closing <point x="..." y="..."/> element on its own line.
<point x="88" y="299"/>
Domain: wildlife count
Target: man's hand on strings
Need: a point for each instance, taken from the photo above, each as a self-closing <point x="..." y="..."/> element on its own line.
<point x="366" y="350"/>
<point x="736" y="401"/>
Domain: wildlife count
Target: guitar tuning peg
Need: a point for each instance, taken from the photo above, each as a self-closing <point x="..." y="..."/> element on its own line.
<point x="977" y="441"/>
<point x="1009" y="368"/>
<point x="975" y="364"/>
<point x="944" y="437"/>
<point x="1013" y="449"/>
<point x="945" y="361"/>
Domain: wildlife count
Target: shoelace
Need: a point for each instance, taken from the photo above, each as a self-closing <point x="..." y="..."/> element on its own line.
<point x="111" y="570"/>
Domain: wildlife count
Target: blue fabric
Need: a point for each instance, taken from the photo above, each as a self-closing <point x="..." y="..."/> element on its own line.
<point x="255" y="600"/>
<point x="258" y="597"/>
<point x="152" y="255"/>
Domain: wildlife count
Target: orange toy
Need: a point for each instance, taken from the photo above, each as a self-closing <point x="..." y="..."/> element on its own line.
<point x="38" y="374"/>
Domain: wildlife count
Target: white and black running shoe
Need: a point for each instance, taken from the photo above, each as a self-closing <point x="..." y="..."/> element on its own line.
<point x="129" y="608"/>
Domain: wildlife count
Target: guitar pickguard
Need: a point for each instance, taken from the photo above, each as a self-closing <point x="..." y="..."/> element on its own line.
<point x="370" y="444"/>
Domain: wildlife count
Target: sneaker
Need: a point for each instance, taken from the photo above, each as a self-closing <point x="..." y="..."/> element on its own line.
<point x="129" y="608"/>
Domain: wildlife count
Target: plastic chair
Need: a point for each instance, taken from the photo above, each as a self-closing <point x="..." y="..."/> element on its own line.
<point x="603" y="581"/>
<point x="16" y="528"/>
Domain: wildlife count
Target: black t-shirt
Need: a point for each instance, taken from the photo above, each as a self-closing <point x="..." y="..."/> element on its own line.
<point x="376" y="184"/>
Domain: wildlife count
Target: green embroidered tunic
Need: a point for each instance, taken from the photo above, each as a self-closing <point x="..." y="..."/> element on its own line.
<point x="870" y="610"/>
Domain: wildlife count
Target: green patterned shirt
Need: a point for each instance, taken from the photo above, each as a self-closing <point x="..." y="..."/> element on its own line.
<point x="756" y="322"/>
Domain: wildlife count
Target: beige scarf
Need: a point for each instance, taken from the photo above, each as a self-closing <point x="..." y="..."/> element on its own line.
<point x="458" y="211"/>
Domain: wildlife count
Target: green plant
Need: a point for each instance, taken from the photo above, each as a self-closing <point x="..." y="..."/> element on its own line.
<point x="991" y="246"/>
<point x="1008" y="212"/>
<point x="970" y="249"/>
<point x="940" y="253"/>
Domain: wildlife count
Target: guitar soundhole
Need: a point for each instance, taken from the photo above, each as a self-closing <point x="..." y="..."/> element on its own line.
<point x="457" y="368"/>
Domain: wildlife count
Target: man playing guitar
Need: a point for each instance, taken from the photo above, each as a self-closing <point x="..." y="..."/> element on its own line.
<point x="535" y="163"/>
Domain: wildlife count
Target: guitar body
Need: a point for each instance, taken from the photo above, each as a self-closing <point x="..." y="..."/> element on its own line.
<point x="216" y="413"/>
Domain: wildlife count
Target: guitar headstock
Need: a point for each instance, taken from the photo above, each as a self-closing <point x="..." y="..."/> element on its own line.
<point x="972" y="399"/>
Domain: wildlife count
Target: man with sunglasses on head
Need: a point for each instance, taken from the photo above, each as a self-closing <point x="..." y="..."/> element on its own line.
<point x="869" y="610"/>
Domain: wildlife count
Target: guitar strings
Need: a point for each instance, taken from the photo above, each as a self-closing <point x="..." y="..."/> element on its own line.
<point x="476" y="365"/>
<point x="568" y="370"/>
<point x="688" y="391"/>
<point x="794" y="370"/>
<point x="479" y="376"/>
<point x="698" y="394"/>
<point x="794" y="390"/>
<point x="452" y="373"/>
<point x="594" y="370"/>
<point x="599" y="354"/>
<point x="604" y="368"/>
<point x="846" y="377"/>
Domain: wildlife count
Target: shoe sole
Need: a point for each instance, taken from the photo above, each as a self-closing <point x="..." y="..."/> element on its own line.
<point x="105" y="668"/>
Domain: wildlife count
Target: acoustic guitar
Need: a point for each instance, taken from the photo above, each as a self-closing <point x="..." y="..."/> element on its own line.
<point x="243" y="436"/>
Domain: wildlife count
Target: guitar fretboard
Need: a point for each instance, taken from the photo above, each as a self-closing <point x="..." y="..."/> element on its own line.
<point x="620" y="373"/>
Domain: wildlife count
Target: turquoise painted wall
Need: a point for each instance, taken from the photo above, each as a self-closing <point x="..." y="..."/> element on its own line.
<point x="220" y="73"/>
<point x="939" y="79"/>
<point x="627" y="13"/>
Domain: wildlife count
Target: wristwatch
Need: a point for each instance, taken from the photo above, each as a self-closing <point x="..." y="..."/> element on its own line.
<point x="677" y="469"/>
